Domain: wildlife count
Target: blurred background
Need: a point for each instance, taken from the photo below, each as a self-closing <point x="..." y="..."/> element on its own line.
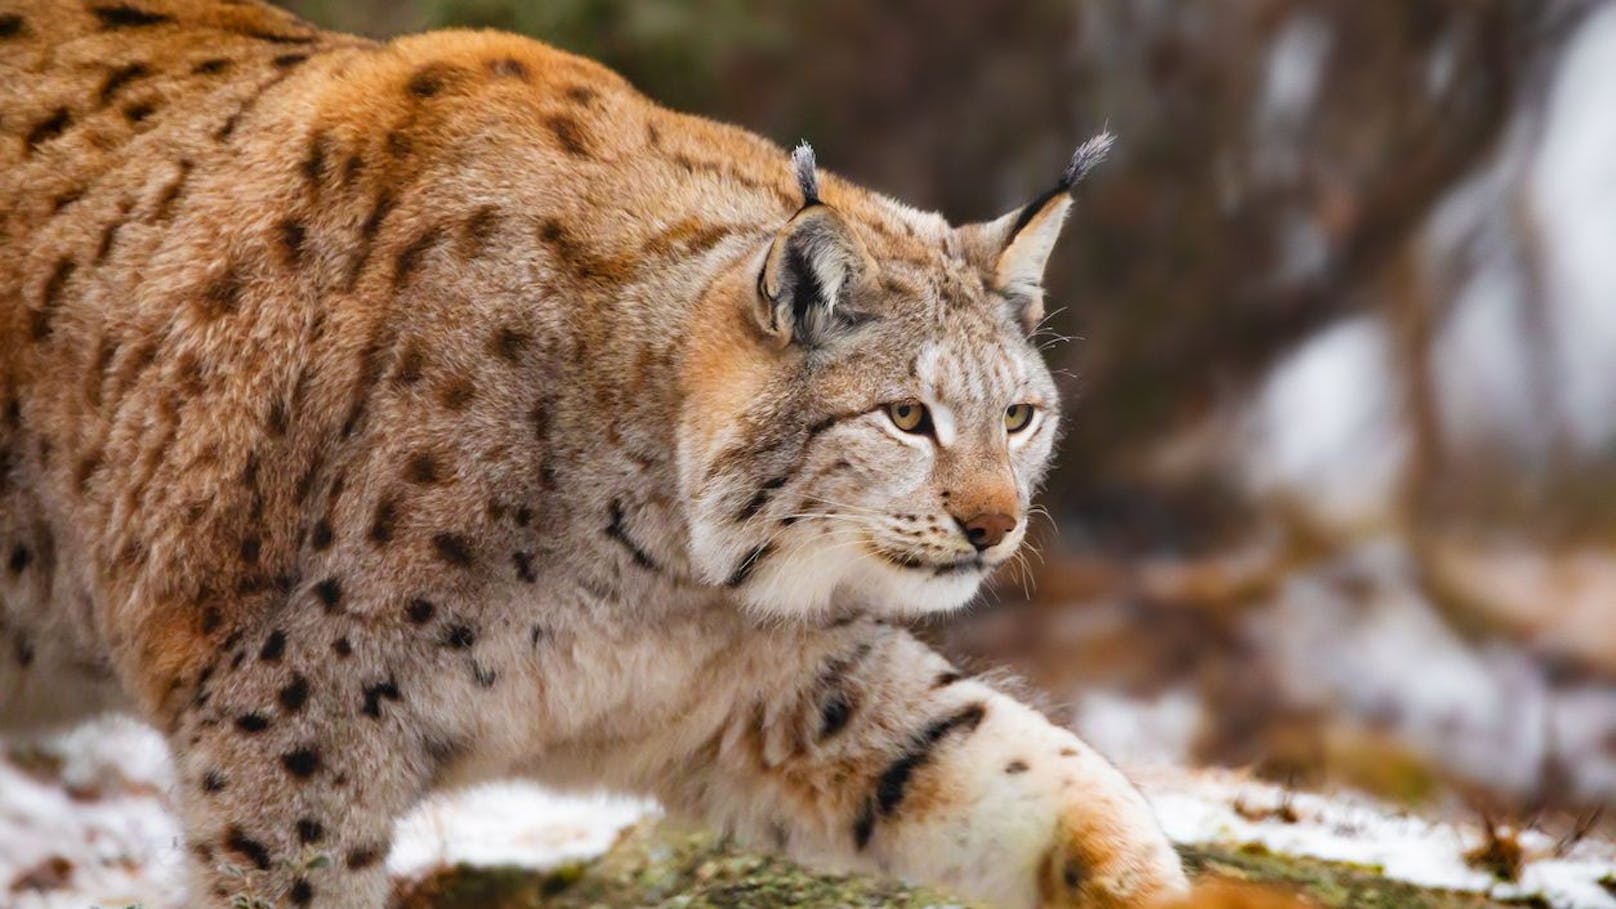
<point x="1337" y="500"/>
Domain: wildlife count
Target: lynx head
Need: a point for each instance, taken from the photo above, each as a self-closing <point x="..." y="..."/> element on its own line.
<point x="865" y="416"/>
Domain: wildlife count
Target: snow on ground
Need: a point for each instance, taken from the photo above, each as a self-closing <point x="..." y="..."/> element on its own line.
<point x="103" y="809"/>
<point x="1225" y="806"/>
<point x="509" y="824"/>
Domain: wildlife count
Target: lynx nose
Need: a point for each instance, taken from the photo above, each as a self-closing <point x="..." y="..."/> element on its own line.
<point x="987" y="530"/>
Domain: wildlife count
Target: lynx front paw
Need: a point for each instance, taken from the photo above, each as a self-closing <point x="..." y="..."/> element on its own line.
<point x="1040" y="821"/>
<point x="1108" y="849"/>
<point x="1098" y="864"/>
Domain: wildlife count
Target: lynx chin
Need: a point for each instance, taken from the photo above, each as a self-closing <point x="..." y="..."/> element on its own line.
<point x="382" y="417"/>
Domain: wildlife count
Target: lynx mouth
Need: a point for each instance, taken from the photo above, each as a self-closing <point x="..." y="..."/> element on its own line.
<point x="960" y="565"/>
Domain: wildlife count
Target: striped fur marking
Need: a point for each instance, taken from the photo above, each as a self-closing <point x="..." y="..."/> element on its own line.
<point x="893" y="782"/>
<point x="618" y="531"/>
<point x="749" y="563"/>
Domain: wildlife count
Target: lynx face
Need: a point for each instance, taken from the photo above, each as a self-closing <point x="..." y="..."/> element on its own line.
<point x="911" y="504"/>
<point x="866" y="419"/>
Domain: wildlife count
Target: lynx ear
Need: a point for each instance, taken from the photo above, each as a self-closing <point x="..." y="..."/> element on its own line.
<point x="1013" y="250"/>
<point x="813" y="263"/>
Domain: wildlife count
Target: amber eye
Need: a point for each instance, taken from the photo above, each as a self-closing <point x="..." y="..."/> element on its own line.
<point x="1018" y="417"/>
<point x="909" y="416"/>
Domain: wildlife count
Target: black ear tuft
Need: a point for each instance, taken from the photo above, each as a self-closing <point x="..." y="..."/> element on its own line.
<point x="1086" y="158"/>
<point x="1012" y="251"/>
<point x="807" y="171"/>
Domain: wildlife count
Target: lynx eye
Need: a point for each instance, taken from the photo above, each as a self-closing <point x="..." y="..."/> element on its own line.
<point x="909" y="416"/>
<point x="1018" y="417"/>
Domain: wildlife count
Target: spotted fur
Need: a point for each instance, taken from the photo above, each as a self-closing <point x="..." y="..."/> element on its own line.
<point x="380" y="417"/>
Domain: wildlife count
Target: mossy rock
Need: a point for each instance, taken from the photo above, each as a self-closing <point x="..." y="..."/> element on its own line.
<point x="658" y="866"/>
<point x="1331" y="885"/>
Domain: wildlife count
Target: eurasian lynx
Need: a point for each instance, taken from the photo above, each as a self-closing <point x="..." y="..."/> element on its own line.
<point x="379" y="417"/>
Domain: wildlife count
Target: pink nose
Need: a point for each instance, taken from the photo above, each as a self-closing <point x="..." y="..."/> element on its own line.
<point x="987" y="530"/>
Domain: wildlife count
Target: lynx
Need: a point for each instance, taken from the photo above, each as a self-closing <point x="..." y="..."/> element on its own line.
<point x="376" y="418"/>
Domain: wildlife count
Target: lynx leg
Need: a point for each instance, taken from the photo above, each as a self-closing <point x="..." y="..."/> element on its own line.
<point x="290" y="775"/>
<point x="886" y="759"/>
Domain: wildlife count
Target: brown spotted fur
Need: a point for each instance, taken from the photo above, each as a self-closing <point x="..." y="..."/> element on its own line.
<point x="377" y="417"/>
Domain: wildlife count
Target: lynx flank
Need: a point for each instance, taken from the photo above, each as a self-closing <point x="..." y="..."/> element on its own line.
<point x="375" y="418"/>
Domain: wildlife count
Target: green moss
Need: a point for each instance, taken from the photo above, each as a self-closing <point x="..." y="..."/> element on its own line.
<point x="1333" y="885"/>
<point x="661" y="867"/>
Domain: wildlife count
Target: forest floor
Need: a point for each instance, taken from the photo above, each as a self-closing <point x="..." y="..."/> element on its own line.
<point x="656" y="867"/>
<point x="85" y="822"/>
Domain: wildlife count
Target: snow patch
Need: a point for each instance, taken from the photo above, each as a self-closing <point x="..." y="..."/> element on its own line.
<point x="510" y="824"/>
<point x="107" y="810"/>
<point x="1228" y="808"/>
